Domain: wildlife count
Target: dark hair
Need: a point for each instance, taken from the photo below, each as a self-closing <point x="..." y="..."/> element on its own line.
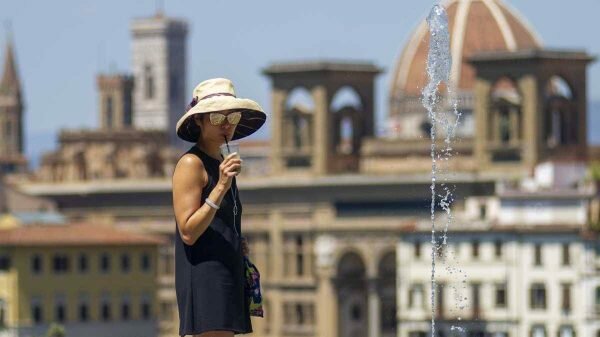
<point x="190" y="125"/>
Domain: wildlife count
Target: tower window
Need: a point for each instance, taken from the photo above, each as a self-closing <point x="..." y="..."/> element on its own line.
<point x="149" y="81"/>
<point x="109" y="111"/>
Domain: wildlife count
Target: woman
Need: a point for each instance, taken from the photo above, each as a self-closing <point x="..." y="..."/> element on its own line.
<point x="209" y="270"/>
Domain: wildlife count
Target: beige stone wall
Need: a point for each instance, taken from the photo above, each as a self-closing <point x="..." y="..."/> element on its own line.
<point x="101" y="155"/>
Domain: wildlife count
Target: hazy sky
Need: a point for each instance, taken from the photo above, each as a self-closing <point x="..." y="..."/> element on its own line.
<point x="62" y="45"/>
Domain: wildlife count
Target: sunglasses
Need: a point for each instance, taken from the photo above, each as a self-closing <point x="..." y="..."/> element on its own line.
<point x="218" y="118"/>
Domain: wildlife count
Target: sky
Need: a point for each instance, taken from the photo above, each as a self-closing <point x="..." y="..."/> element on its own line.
<point x="62" y="45"/>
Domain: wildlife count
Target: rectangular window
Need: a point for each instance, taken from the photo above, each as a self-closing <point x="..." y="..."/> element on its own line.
<point x="538" y="331"/>
<point x="498" y="249"/>
<point x="440" y="307"/>
<point x="60" y="312"/>
<point x="36" y="264"/>
<point x="125" y="310"/>
<point x="60" y="263"/>
<point x="83" y="263"/>
<point x="566" y="298"/>
<point x="4" y="262"/>
<point x="537" y="258"/>
<point x="125" y="265"/>
<point x="415" y="296"/>
<point x="145" y="262"/>
<point x="501" y="295"/>
<point x="566" y="331"/>
<point x="475" y="249"/>
<point x="566" y="256"/>
<point x="482" y="211"/>
<point x="538" y="296"/>
<point x="105" y="311"/>
<point x="418" y="249"/>
<point x="146" y="307"/>
<point x="299" y="256"/>
<point x="475" y="288"/>
<point x="36" y="311"/>
<point x="105" y="263"/>
<point x="299" y="314"/>
<point x="84" y="314"/>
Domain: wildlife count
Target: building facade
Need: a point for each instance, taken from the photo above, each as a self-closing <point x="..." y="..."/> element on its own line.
<point x="93" y="280"/>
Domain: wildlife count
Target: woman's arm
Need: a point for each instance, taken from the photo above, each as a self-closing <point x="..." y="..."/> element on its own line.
<point x="192" y="217"/>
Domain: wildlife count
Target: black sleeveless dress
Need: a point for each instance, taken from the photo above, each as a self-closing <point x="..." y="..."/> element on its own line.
<point x="209" y="275"/>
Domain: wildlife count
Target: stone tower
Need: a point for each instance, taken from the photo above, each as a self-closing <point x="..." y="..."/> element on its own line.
<point x="12" y="159"/>
<point x="115" y="101"/>
<point x="159" y="71"/>
<point x="531" y="107"/>
<point x="309" y="140"/>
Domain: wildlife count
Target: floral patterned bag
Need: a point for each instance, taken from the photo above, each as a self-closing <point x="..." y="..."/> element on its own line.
<point x="252" y="288"/>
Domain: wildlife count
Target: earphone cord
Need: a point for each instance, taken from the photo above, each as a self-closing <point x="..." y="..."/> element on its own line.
<point x="235" y="210"/>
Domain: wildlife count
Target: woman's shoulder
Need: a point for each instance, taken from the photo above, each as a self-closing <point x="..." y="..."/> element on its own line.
<point x="191" y="157"/>
<point x="189" y="166"/>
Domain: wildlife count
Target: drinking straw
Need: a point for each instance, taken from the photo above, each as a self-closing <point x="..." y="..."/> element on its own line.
<point x="226" y="142"/>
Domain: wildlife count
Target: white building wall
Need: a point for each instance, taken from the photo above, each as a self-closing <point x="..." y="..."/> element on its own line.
<point x="515" y="268"/>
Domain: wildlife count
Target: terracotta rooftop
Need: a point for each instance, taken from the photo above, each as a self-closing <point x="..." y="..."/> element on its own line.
<point x="475" y="26"/>
<point x="74" y="235"/>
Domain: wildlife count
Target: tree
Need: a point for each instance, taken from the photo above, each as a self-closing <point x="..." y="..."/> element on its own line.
<point x="55" y="330"/>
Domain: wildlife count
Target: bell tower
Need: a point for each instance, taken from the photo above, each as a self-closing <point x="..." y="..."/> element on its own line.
<point x="320" y="134"/>
<point x="159" y="71"/>
<point x="12" y="159"/>
<point x="530" y="107"/>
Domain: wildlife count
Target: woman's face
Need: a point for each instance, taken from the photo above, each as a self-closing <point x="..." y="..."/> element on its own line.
<point x="215" y="133"/>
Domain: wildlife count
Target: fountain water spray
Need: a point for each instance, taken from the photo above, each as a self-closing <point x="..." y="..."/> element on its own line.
<point x="439" y="65"/>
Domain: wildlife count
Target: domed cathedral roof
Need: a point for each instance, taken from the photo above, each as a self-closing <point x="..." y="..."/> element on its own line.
<point x="475" y="26"/>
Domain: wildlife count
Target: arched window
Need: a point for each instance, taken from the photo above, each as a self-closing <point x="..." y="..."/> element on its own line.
<point x="346" y="97"/>
<point x="506" y="112"/>
<point x="561" y="117"/>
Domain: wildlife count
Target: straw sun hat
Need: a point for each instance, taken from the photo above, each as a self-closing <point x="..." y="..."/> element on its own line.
<point x="215" y="95"/>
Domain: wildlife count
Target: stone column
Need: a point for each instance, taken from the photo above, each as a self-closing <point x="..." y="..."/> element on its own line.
<point x="276" y="275"/>
<point x="374" y="303"/>
<point x="532" y="128"/>
<point x="278" y="104"/>
<point x="482" y="89"/>
<point x="327" y="303"/>
<point x="322" y="130"/>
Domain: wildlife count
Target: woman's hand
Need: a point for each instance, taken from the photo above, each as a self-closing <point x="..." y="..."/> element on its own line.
<point x="229" y="168"/>
<point x="245" y="247"/>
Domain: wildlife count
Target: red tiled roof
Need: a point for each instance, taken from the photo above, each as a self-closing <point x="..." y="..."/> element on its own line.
<point x="482" y="26"/>
<point x="74" y="235"/>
